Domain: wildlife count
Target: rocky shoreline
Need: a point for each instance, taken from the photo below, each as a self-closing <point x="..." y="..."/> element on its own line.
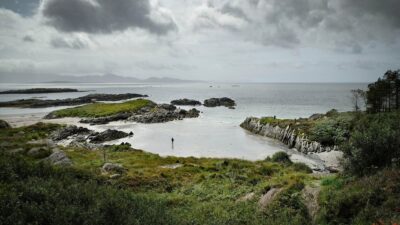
<point x="293" y="140"/>
<point x="40" y="103"/>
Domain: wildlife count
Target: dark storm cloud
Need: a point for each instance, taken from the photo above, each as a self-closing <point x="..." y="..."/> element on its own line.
<point x="71" y="44"/>
<point x="103" y="16"/>
<point x="287" y="23"/>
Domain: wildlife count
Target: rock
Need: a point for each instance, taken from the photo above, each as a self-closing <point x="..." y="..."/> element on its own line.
<point x="267" y="198"/>
<point x="38" y="152"/>
<point x="4" y="125"/>
<point x="113" y="167"/>
<point x="163" y="113"/>
<point x="108" y="135"/>
<point x="286" y="135"/>
<point x="247" y="197"/>
<point x="310" y="196"/>
<point x="167" y="107"/>
<point x="40" y="103"/>
<point x="59" y="158"/>
<point x="69" y="131"/>
<point x="185" y="101"/>
<point x="214" y="102"/>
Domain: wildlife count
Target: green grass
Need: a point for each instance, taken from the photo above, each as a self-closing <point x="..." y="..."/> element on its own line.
<point x="103" y="109"/>
<point x="202" y="191"/>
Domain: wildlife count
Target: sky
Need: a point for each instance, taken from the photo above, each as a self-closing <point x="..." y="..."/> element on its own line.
<point x="232" y="40"/>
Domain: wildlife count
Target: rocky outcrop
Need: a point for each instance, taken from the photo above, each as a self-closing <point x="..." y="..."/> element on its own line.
<point x="150" y="114"/>
<point x="40" y="103"/>
<point x="69" y="131"/>
<point x="185" y="101"/>
<point x="108" y="135"/>
<point x="214" y="102"/>
<point x="4" y="124"/>
<point x="286" y="135"/>
<point x="163" y="113"/>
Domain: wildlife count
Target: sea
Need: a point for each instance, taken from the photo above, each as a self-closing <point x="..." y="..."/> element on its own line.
<point x="217" y="132"/>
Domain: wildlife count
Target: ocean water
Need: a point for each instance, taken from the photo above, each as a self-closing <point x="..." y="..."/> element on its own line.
<point x="216" y="133"/>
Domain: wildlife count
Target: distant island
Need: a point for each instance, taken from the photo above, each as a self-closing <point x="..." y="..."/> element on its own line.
<point x="39" y="91"/>
<point x="105" y="78"/>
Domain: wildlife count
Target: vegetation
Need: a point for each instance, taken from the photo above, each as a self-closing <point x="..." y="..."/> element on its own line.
<point x="384" y="94"/>
<point x="332" y="128"/>
<point x="368" y="200"/>
<point x="374" y="144"/>
<point x="200" y="191"/>
<point x="104" y="109"/>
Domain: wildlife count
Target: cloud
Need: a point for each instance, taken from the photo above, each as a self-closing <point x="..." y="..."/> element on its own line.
<point x="105" y="16"/>
<point x="28" y="38"/>
<point x="71" y="43"/>
<point x="293" y="23"/>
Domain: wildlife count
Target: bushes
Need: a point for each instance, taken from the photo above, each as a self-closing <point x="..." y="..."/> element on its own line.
<point x="39" y="194"/>
<point x="374" y="144"/>
<point x="281" y="157"/>
<point x="361" y="201"/>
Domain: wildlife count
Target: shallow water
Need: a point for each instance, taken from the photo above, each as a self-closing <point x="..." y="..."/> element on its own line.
<point x="216" y="133"/>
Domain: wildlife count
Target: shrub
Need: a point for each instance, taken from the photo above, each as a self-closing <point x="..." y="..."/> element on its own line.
<point x="281" y="157"/>
<point x="374" y="144"/>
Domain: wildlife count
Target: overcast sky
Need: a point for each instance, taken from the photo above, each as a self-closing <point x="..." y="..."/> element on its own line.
<point x="233" y="40"/>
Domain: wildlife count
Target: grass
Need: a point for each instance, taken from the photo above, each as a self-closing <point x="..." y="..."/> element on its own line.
<point x="202" y="191"/>
<point x="103" y="109"/>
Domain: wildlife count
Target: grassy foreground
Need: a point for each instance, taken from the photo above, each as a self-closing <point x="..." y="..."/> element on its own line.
<point x="200" y="191"/>
<point x="103" y="109"/>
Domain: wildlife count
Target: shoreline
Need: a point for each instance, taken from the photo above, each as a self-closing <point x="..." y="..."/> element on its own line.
<point x="317" y="161"/>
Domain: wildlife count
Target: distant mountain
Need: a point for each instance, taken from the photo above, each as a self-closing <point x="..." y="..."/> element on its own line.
<point x="106" y="78"/>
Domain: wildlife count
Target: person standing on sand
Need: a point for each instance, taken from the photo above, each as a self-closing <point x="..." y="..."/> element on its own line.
<point x="172" y="142"/>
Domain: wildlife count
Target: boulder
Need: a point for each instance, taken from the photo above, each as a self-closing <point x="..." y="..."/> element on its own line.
<point x="113" y="167"/>
<point x="214" y="102"/>
<point x="108" y="135"/>
<point x="185" y="101"/>
<point x="69" y="131"/>
<point x="164" y="113"/>
<point x="59" y="158"/>
<point x="4" y="124"/>
<point x="267" y="198"/>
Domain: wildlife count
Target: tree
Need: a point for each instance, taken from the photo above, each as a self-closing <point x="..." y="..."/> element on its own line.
<point x="358" y="98"/>
<point x="384" y="94"/>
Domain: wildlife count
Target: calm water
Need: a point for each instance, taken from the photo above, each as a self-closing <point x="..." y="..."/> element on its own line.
<point x="216" y="133"/>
